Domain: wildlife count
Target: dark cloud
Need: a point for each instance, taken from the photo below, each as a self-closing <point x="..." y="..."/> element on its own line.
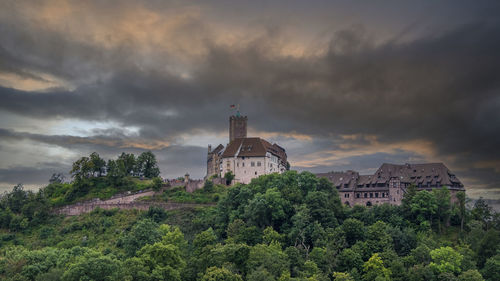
<point x="441" y="87"/>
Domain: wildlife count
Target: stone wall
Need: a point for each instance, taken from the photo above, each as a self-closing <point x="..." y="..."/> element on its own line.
<point x="80" y="208"/>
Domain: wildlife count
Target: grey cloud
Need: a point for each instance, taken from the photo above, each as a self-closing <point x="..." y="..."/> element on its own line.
<point x="442" y="87"/>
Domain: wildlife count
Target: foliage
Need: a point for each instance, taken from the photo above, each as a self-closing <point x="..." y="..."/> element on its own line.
<point x="279" y="227"/>
<point x="220" y="274"/>
<point x="229" y="176"/>
<point x="374" y="270"/>
<point x="446" y="259"/>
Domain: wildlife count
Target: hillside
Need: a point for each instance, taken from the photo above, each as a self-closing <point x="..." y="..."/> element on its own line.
<point x="279" y="227"/>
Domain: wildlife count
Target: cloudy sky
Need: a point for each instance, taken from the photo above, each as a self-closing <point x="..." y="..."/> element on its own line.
<point x="340" y="85"/>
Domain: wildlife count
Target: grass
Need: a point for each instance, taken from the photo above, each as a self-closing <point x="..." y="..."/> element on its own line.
<point x="68" y="193"/>
<point x="101" y="229"/>
<point x="180" y="195"/>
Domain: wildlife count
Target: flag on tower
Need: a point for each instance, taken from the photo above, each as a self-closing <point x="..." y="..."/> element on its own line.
<point x="233" y="106"/>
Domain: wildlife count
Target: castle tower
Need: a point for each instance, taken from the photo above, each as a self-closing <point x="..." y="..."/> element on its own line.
<point x="237" y="127"/>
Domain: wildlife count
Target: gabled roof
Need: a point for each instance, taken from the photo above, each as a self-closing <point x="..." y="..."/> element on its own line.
<point x="252" y="147"/>
<point x="432" y="173"/>
<point x="218" y="149"/>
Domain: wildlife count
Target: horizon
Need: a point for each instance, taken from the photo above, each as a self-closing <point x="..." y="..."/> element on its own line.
<point x="339" y="85"/>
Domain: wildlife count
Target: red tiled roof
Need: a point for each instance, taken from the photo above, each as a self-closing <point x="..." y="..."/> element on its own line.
<point x="253" y="147"/>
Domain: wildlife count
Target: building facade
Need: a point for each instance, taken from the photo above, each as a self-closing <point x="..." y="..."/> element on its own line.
<point x="245" y="157"/>
<point x="390" y="181"/>
<point x="248" y="158"/>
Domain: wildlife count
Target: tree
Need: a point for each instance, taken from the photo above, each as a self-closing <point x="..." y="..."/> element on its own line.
<point x="208" y="187"/>
<point x="445" y="259"/>
<point x="268" y="257"/>
<point x="147" y="165"/>
<point x="491" y="270"/>
<point x="164" y="260"/>
<point x="488" y="247"/>
<point x="82" y="169"/>
<point x="443" y="209"/>
<point x="471" y="275"/>
<point x="94" y="266"/>
<point x="342" y="276"/>
<point x="423" y="206"/>
<point x="129" y="163"/>
<point x="220" y="274"/>
<point x="461" y="208"/>
<point x="354" y="230"/>
<point x="374" y="270"/>
<point x="115" y="172"/>
<point x="97" y="163"/>
<point x="349" y="259"/>
<point x="143" y="232"/>
<point x="482" y="212"/>
<point x="157" y="183"/>
<point x="229" y="176"/>
<point x="411" y="191"/>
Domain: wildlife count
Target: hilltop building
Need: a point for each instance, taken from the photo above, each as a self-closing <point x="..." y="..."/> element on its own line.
<point x="245" y="157"/>
<point x="390" y="181"/>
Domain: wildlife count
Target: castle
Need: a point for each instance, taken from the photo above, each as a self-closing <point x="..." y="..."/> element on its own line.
<point x="248" y="158"/>
<point x="245" y="157"/>
<point x="390" y="181"/>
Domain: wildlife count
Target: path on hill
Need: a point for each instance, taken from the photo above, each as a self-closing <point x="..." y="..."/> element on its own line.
<point x="126" y="202"/>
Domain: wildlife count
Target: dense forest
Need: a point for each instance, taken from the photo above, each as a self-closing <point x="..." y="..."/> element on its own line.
<point x="279" y="227"/>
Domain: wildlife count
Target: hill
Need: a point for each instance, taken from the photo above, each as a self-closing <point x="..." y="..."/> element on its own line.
<point x="279" y="227"/>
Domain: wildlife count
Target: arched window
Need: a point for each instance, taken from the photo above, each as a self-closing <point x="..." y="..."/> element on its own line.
<point x="368" y="203"/>
<point x="347" y="203"/>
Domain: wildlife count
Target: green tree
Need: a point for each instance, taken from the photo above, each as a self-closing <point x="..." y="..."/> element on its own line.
<point x="443" y="206"/>
<point x="94" y="266"/>
<point x="164" y="261"/>
<point x="115" y="172"/>
<point x="374" y="270"/>
<point x="445" y="259"/>
<point x="268" y="257"/>
<point x="342" y="276"/>
<point x="461" y="208"/>
<point x="489" y="246"/>
<point x="491" y="270"/>
<point x="354" y="230"/>
<point x="143" y="232"/>
<point x="349" y="259"/>
<point x="482" y="212"/>
<point x="220" y="274"/>
<point x="129" y="163"/>
<point x="411" y="191"/>
<point x="157" y="183"/>
<point x="423" y="206"/>
<point x="82" y="169"/>
<point x="147" y="165"/>
<point x="229" y="176"/>
<point x="97" y="163"/>
<point x="471" y="275"/>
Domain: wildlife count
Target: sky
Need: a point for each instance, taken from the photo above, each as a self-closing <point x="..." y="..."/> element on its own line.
<point x="340" y="85"/>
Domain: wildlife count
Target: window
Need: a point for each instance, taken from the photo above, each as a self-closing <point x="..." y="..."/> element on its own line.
<point x="252" y="164"/>
<point x="383" y="194"/>
<point x="376" y="194"/>
<point x="357" y="195"/>
<point x="237" y="164"/>
<point x="255" y="172"/>
<point x="371" y="195"/>
<point x="258" y="164"/>
<point x="366" y="195"/>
